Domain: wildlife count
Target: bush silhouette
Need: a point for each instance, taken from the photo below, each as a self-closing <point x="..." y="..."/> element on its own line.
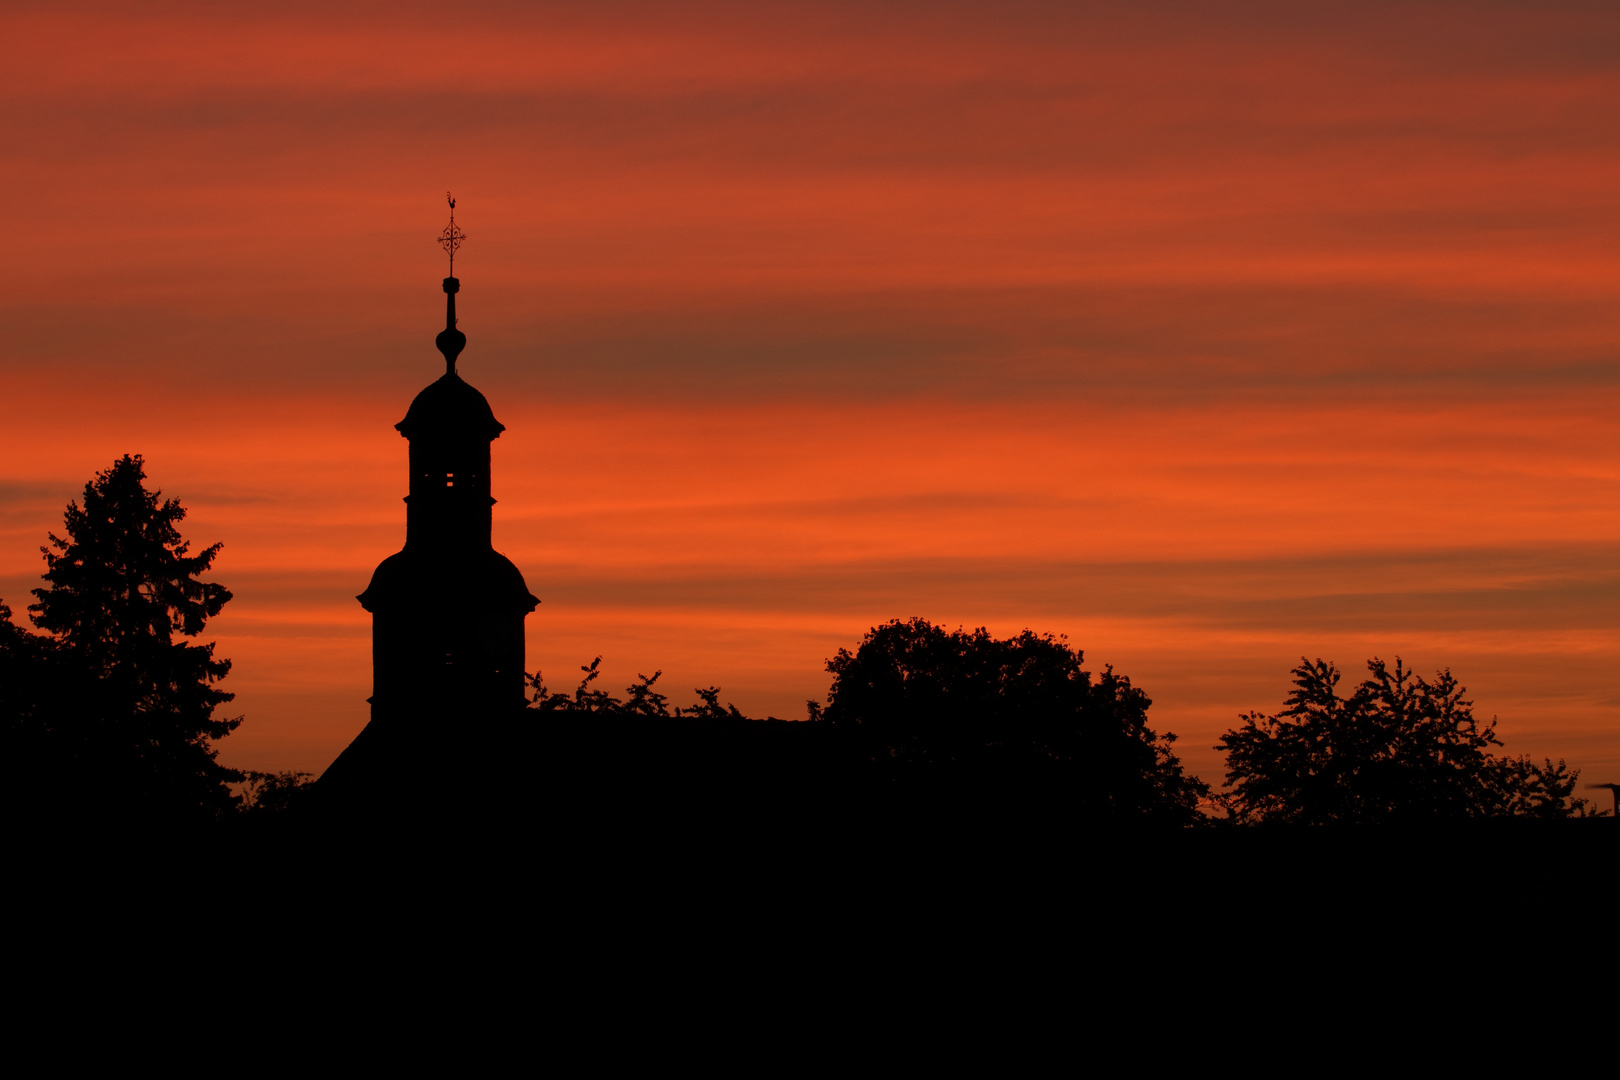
<point x="273" y="793"/>
<point x="640" y="699"/>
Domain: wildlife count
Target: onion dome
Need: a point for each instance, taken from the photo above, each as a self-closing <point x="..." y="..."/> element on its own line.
<point x="450" y="408"/>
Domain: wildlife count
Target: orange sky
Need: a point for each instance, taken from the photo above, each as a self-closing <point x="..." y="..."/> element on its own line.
<point x="1210" y="336"/>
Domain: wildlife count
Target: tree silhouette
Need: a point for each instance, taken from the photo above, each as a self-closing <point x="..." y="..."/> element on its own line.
<point x="1015" y="715"/>
<point x="139" y="720"/>
<point x="1399" y="748"/>
<point x="32" y="740"/>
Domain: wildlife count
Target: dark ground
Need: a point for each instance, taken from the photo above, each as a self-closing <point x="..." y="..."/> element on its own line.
<point x="661" y="843"/>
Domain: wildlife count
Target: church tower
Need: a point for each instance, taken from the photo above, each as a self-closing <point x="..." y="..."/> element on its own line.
<point x="447" y="611"/>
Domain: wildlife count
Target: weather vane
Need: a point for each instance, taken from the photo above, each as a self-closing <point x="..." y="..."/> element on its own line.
<point x="452" y="237"/>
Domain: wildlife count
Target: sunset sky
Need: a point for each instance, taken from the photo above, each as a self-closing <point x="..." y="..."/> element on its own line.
<point x="1209" y="335"/>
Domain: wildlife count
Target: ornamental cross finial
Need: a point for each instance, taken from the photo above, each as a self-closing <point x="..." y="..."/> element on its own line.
<point x="452" y="236"/>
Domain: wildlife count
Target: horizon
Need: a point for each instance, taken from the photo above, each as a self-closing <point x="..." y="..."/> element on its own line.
<point x="1208" y="339"/>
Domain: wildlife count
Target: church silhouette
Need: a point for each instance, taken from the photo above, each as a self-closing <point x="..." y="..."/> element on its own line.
<point x="447" y="610"/>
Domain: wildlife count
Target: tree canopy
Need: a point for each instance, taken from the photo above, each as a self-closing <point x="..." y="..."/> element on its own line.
<point x="1398" y="748"/>
<point x="1009" y="714"/>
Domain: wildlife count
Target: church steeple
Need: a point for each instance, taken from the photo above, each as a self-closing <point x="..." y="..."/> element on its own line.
<point x="448" y="609"/>
<point x="450" y="426"/>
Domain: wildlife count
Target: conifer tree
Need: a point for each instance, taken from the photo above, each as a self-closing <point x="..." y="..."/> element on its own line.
<point x="123" y="586"/>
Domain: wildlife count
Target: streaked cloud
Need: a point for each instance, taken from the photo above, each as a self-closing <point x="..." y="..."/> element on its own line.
<point x="1211" y="335"/>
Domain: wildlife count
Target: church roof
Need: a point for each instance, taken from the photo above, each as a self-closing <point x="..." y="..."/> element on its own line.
<point x="427" y="582"/>
<point x="449" y="409"/>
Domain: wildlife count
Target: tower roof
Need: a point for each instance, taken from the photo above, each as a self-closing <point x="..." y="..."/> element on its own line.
<point x="450" y="408"/>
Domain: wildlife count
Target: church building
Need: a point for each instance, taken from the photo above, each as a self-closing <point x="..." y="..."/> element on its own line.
<point x="447" y="610"/>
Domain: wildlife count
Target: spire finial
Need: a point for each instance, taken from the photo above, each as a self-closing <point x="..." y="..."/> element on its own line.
<point x="450" y="340"/>
<point x="452" y="236"/>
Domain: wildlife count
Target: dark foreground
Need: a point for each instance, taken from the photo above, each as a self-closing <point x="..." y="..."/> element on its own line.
<point x="597" y="888"/>
<point x="733" y="820"/>
<point x="598" y="901"/>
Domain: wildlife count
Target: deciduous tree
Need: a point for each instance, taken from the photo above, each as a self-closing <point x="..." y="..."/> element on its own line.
<point x="1398" y="748"/>
<point x="1019" y="715"/>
